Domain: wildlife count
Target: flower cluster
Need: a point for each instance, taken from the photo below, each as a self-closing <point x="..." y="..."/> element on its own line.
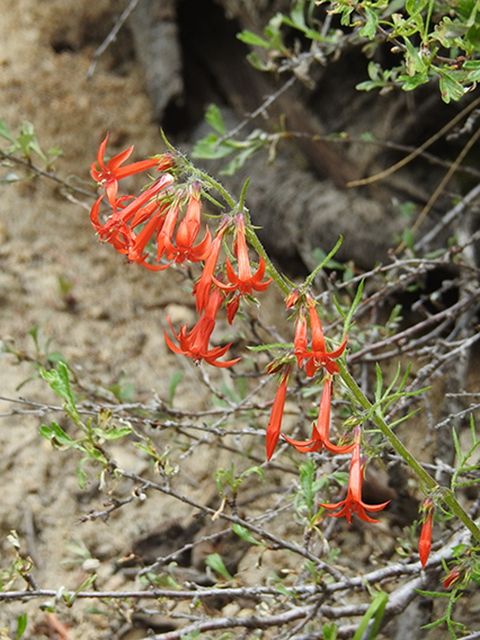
<point x="315" y="358"/>
<point x="160" y="227"/>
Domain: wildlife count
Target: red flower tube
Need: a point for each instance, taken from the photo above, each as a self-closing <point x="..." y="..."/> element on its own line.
<point x="425" y="542"/>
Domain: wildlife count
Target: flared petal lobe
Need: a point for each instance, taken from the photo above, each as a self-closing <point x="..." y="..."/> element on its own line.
<point x="353" y="503"/>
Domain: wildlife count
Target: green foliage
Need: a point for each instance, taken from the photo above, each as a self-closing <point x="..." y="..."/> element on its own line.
<point x="215" y="146"/>
<point x="21" y="625"/>
<point x="431" y="39"/>
<point x="26" y="145"/>
<point x="330" y="631"/>
<point x="436" y="40"/>
<point x="244" y="534"/>
<point x="466" y="474"/>
<point x="305" y="505"/>
<point x="93" y="434"/>
<point x="371" y="621"/>
<point x="215" y="562"/>
<point x="227" y="477"/>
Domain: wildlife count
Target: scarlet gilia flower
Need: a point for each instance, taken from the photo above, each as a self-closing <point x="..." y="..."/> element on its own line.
<point x="119" y="229"/>
<point x="194" y="344"/>
<point x="188" y="231"/>
<point x="321" y="429"/>
<point x="353" y="503"/>
<point x="203" y="286"/>
<point x="108" y="174"/>
<point x="245" y="283"/>
<point x="317" y="356"/>
<point x="275" y="422"/>
<point x="425" y="542"/>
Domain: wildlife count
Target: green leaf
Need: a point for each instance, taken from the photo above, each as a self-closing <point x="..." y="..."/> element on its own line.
<point x="369" y="30"/>
<point x="251" y="38"/>
<point x="330" y="631"/>
<point x="59" y="381"/>
<point x="21" y="625"/>
<point x="413" y="59"/>
<point x="450" y="88"/>
<point x="209" y="148"/>
<point x="114" y="433"/>
<point x="56" y="434"/>
<point x="5" y="133"/>
<point x="297" y="15"/>
<point x="215" y="562"/>
<point x="415" y="6"/>
<point x="215" y="119"/>
<point x="244" y="534"/>
<point x="374" y="612"/>
<point x="174" y="382"/>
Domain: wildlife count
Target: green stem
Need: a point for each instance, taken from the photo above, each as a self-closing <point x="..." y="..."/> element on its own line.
<point x="281" y="283"/>
<point x="252" y="236"/>
<point x="430" y="483"/>
<point x="232" y="203"/>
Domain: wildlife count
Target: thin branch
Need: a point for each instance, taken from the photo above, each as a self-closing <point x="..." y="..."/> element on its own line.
<point x="111" y="37"/>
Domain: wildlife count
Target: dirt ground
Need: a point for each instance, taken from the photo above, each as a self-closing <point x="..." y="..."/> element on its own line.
<point x="81" y="300"/>
<point x="113" y="330"/>
<point x="110" y="324"/>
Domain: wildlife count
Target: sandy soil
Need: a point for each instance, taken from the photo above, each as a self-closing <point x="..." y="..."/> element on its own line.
<point x="105" y="318"/>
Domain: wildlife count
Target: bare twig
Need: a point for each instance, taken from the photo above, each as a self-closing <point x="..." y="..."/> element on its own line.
<point x="111" y="36"/>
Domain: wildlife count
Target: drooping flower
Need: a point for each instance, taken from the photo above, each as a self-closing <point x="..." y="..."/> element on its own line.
<point x="194" y="344"/>
<point x="321" y="429"/>
<point x="123" y="216"/>
<point x="155" y="221"/>
<point x="318" y="356"/>
<point x="425" y="542"/>
<point x="188" y="231"/>
<point x="353" y="503"/>
<point x="108" y="174"/>
<point x="245" y="283"/>
<point x="120" y="228"/>
<point x="203" y="286"/>
<point x="275" y="422"/>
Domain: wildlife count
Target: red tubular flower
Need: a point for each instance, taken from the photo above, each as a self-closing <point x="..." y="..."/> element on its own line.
<point x="203" y="286"/>
<point x="244" y="282"/>
<point x="318" y="356"/>
<point x="321" y="430"/>
<point x="188" y="231"/>
<point x="275" y="422"/>
<point x="154" y="225"/>
<point x="195" y="343"/>
<point x="300" y="341"/>
<point x="110" y="173"/>
<point x="124" y="216"/>
<point x="425" y="542"/>
<point x="353" y="503"/>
